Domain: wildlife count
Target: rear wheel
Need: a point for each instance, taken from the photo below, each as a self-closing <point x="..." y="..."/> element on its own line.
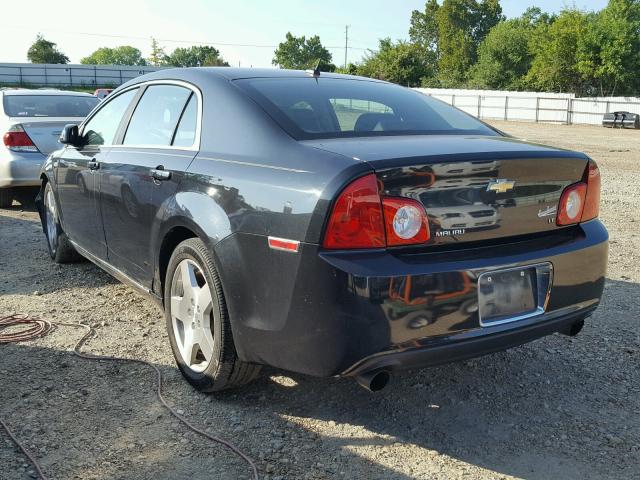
<point x="6" y="197"/>
<point x="59" y="246"/>
<point x="198" y="322"/>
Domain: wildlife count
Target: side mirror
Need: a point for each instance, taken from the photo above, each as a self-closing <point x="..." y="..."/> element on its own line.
<point x="69" y="135"/>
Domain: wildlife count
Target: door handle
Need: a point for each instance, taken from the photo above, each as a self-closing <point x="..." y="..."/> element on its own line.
<point x="93" y="165"/>
<point x="159" y="173"/>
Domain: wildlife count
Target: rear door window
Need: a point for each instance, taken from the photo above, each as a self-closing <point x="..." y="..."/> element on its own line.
<point x="48" y="105"/>
<point x="186" y="132"/>
<point x="156" y="116"/>
<point x="102" y="127"/>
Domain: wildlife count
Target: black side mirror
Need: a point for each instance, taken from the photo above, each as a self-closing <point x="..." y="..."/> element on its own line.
<point x="69" y="135"/>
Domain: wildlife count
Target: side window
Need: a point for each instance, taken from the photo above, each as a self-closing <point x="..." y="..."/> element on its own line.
<point x="102" y="127"/>
<point x="186" y="132"/>
<point x="155" y="118"/>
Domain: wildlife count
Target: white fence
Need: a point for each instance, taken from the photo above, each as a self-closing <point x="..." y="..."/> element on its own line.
<point x="56" y="75"/>
<point x="533" y="106"/>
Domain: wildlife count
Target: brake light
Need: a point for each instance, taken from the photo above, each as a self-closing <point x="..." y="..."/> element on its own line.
<point x="361" y="218"/>
<point x="572" y="204"/>
<point x="405" y="221"/>
<point x="356" y="219"/>
<point x="17" y="140"/>
<point x="592" y="202"/>
<point x="580" y="202"/>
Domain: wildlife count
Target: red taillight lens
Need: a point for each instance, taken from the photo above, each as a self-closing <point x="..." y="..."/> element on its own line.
<point x="405" y="221"/>
<point x="571" y="204"/>
<point x="356" y="220"/>
<point x="592" y="202"/>
<point x="16" y="139"/>
<point x="580" y="202"/>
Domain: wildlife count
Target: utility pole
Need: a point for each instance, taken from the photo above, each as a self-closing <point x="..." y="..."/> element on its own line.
<point x="346" y="44"/>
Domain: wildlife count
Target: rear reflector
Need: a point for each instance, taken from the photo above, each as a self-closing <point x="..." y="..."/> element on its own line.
<point x="284" y="244"/>
<point x="17" y="140"/>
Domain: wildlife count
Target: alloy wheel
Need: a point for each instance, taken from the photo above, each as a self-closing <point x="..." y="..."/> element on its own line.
<point x="52" y="219"/>
<point x="191" y="315"/>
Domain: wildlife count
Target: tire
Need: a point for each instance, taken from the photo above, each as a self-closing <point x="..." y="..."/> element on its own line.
<point x="200" y="325"/>
<point x="6" y="197"/>
<point x="58" y="244"/>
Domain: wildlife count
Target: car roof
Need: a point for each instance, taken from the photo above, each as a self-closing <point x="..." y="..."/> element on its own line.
<point x="48" y="92"/>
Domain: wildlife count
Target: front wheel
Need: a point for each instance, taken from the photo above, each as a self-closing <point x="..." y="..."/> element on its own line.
<point x="59" y="246"/>
<point x="198" y="322"/>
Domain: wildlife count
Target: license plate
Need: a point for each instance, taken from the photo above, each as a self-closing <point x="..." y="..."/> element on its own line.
<point x="513" y="294"/>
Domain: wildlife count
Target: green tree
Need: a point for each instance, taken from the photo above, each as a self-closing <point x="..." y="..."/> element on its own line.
<point x="462" y="25"/>
<point x="555" y="49"/>
<point x="197" y="56"/>
<point x="608" y="54"/>
<point x="504" y="57"/>
<point x="423" y="29"/>
<point x="158" y="56"/>
<point x="401" y="62"/>
<point x="301" y="53"/>
<point x="124" y="55"/>
<point x="44" y="51"/>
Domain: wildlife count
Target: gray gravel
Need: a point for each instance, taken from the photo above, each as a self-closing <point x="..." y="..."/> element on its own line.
<point x="557" y="408"/>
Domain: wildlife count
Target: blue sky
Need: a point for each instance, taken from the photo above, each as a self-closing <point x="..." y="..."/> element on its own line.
<point x="255" y="27"/>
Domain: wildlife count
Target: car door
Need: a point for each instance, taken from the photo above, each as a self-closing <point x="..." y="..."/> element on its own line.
<point x="77" y="177"/>
<point x="142" y="171"/>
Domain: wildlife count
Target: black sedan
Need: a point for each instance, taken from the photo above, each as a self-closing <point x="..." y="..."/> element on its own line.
<point x="324" y="224"/>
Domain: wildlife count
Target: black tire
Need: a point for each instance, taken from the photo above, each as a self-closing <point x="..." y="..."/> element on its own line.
<point x="6" y="197"/>
<point x="225" y="370"/>
<point x="60" y="248"/>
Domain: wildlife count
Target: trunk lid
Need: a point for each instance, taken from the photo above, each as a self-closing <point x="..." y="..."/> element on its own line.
<point x="473" y="188"/>
<point x="44" y="132"/>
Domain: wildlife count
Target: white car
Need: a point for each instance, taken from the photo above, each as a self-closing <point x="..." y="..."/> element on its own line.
<point x="30" y="124"/>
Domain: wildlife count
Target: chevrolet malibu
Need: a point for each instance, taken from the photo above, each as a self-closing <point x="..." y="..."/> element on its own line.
<point x="301" y="220"/>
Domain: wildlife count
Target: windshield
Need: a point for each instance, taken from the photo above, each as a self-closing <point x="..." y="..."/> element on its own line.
<point x="48" y="105"/>
<point x="309" y="108"/>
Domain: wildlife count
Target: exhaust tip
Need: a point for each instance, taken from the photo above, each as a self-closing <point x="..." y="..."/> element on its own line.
<point x="374" y="381"/>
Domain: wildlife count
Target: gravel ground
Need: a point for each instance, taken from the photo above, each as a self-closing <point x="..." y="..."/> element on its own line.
<point x="556" y="408"/>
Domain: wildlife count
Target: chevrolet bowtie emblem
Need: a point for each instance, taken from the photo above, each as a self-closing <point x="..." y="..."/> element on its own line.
<point x="500" y="185"/>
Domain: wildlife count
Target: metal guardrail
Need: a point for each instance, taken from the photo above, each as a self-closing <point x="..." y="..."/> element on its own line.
<point x="69" y="75"/>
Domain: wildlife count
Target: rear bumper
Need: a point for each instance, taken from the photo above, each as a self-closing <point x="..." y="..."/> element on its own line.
<point x="20" y="169"/>
<point x="461" y="347"/>
<point x="336" y="313"/>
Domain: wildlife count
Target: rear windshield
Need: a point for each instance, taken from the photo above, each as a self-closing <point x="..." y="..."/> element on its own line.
<point x="48" y="105"/>
<point x="309" y="108"/>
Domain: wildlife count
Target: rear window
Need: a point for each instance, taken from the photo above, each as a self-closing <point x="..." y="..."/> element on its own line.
<point x="48" y="105"/>
<point x="309" y="108"/>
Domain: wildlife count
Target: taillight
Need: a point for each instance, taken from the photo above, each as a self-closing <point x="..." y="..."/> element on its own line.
<point x="361" y="218"/>
<point x="572" y="204"/>
<point x="405" y="221"/>
<point x="356" y="219"/>
<point x="581" y="201"/>
<point x="592" y="202"/>
<point x="17" y="140"/>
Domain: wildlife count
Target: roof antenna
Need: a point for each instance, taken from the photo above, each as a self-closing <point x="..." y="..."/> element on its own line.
<point x="315" y="73"/>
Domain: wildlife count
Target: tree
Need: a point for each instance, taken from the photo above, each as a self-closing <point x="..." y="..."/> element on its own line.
<point x="504" y="57"/>
<point x="197" y="56"/>
<point x="301" y="53"/>
<point x="401" y="62"/>
<point x="124" y="55"/>
<point x="608" y="54"/>
<point x="158" y="56"/>
<point x="423" y="28"/>
<point x="555" y="49"/>
<point x="44" y="51"/>
<point x="462" y="25"/>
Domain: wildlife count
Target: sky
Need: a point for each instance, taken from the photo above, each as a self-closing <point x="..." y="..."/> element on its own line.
<point x="245" y="31"/>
